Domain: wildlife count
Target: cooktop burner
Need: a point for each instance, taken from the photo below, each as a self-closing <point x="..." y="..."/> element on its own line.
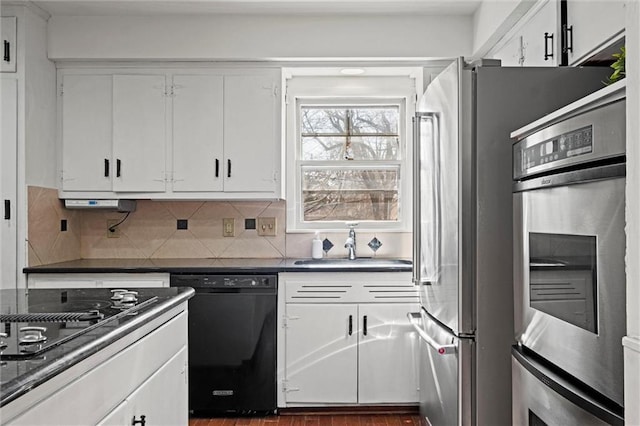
<point x="54" y="317"/>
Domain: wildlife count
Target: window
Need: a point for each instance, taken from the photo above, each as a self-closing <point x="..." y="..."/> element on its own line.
<point x="349" y="162"/>
<point x="347" y="153"/>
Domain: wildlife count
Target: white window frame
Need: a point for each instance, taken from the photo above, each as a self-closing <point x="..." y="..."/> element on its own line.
<point x="399" y="89"/>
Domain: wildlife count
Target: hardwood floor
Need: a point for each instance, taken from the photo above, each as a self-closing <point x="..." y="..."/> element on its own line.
<point x="313" y="420"/>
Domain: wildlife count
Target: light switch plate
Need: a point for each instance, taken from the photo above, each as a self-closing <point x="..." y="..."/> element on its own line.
<point x="228" y="227"/>
<point x="267" y="226"/>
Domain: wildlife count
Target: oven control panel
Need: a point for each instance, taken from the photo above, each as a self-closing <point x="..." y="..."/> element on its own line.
<point x="567" y="145"/>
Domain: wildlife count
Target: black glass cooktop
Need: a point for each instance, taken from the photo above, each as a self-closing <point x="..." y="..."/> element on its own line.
<point x="45" y="319"/>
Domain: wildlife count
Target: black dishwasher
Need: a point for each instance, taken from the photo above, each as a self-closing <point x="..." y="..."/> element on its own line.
<point x="232" y="343"/>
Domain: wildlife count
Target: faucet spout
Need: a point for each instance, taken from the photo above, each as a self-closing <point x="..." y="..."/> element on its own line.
<point x="350" y="244"/>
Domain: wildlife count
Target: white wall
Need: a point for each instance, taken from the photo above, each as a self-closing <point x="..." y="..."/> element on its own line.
<point x="248" y="37"/>
<point x="493" y="19"/>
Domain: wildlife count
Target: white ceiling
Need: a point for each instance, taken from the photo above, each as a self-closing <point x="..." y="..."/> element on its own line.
<point x="191" y="7"/>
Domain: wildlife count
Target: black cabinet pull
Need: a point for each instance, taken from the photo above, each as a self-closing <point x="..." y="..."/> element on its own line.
<point x="229" y="168"/>
<point x="350" y="325"/>
<point x="568" y="39"/>
<point x="7" y="51"/>
<point x="217" y="167"/>
<point x="118" y="167"/>
<point x="106" y="167"/>
<point x="7" y="209"/>
<point x="364" y="325"/>
<point x="548" y="53"/>
<point x="142" y="421"/>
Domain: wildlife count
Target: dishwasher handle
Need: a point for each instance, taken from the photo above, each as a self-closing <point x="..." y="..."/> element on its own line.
<point x="414" y="319"/>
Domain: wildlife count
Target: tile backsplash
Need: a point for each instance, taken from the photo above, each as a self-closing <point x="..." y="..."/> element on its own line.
<point x="152" y="232"/>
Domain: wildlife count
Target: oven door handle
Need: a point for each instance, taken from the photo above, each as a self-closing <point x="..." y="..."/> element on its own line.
<point x="610" y="171"/>
<point x="414" y="319"/>
<point x="547" y="265"/>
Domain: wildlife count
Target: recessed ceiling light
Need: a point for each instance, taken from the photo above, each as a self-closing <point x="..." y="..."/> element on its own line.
<point x="352" y="71"/>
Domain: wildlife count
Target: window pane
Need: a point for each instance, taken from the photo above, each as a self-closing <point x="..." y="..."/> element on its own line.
<point x="357" y="194"/>
<point x="374" y="120"/>
<point x="323" y="120"/>
<point x="373" y="148"/>
<point x="323" y="148"/>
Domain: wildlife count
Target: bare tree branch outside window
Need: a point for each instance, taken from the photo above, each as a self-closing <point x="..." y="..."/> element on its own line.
<point x="357" y="152"/>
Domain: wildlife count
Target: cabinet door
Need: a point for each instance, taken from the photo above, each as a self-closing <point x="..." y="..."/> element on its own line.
<point x="536" y="47"/>
<point x="139" y="119"/>
<point x="8" y="183"/>
<point x="163" y="397"/>
<point x="86" y="132"/>
<point x="8" y="44"/>
<point x="321" y="353"/>
<point x="510" y="54"/>
<point x="197" y="133"/>
<point x="593" y="24"/>
<point x="387" y="353"/>
<point x="251" y="144"/>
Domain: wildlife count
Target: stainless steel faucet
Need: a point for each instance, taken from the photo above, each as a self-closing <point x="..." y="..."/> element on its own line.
<point x="350" y="244"/>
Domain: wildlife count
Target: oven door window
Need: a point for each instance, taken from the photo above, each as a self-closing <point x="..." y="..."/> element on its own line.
<point x="563" y="277"/>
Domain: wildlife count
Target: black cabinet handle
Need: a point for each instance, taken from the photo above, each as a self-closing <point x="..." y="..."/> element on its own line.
<point x="106" y="167"/>
<point x="118" y="167"/>
<point x="548" y="53"/>
<point x="7" y="51"/>
<point x="217" y="167"/>
<point x="568" y="39"/>
<point x="229" y="168"/>
<point x="350" y="325"/>
<point x="7" y="209"/>
<point x="142" y="421"/>
<point x="364" y="325"/>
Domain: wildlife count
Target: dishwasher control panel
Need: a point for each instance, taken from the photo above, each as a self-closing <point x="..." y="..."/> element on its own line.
<point x="225" y="281"/>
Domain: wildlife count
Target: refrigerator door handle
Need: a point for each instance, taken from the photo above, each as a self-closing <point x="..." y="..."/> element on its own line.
<point x="417" y="201"/>
<point x="414" y="319"/>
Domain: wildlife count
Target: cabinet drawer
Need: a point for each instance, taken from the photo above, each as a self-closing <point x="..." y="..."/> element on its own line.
<point x="356" y="287"/>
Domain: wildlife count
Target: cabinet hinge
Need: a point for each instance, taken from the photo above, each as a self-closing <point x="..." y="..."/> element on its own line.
<point x="286" y="388"/>
<point x="276" y="176"/>
<point x="286" y="319"/>
<point x="61" y="89"/>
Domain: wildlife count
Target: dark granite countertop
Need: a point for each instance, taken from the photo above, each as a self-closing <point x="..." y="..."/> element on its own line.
<point x="198" y="266"/>
<point x="17" y="377"/>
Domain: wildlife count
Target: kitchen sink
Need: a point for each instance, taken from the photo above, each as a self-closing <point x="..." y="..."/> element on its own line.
<point x="361" y="262"/>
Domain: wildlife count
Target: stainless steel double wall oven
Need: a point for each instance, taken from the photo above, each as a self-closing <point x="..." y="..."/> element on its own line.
<point x="569" y="264"/>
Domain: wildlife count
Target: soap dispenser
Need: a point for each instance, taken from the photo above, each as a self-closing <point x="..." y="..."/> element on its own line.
<point x="316" y="247"/>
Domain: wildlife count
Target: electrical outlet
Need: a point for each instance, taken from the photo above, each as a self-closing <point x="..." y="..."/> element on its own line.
<point x="267" y="226"/>
<point x="115" y="232"/>
<point x="228" y="227"/>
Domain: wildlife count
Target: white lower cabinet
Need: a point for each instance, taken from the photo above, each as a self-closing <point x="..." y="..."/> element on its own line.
<point x="142" y="374"/>
<point x="151" y="403"/>
<point x="345" y="339"/>
<point x="321" y="353"/>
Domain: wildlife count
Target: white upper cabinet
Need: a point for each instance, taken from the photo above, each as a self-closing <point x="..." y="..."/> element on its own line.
<point x="139" y="119"/>
<point x="8" y="44"/>
<point x="250" y="123"/>
<point x="86" y="132"/>
<point x="113" y="133"/>
<point x="170" y="134"/>
<point x="535" y="40"/>
<point x="539" y="38"/>
<point x="198" y="153"/>
<point x="592" y="25"/>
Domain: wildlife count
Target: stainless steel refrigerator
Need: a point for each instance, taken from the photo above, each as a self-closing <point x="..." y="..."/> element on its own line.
<point x="463" y="229"/>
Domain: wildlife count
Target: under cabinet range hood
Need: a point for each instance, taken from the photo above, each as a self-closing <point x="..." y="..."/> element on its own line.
<point x="123" y="206"/>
